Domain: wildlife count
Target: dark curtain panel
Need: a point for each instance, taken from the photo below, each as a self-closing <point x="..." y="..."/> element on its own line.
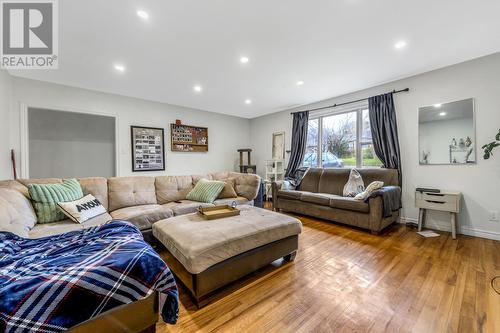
<point x="299" y="142"/>
<point x="385" y="131"/>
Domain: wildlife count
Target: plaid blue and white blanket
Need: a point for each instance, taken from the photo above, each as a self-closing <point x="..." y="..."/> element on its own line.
<point x="53" y="283"/>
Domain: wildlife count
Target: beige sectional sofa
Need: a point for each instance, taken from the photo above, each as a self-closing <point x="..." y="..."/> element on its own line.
<point x="140" y="200"/>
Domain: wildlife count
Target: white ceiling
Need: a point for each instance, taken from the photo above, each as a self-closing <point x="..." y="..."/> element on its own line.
<point x="335" y="47"/>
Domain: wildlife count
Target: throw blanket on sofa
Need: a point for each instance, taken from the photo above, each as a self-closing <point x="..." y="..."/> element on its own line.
<point x="53" y="283"/>
<point x="391" y="198"/>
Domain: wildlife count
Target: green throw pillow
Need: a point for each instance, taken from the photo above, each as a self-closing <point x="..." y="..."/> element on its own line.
<point x="46" y="196"/>
<point x="206" y="191"/>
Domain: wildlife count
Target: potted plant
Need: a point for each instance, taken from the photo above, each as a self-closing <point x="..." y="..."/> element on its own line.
<point x="488" y="148"/>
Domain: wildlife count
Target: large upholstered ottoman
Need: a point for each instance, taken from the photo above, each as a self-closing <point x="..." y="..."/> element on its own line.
<point x="208" y="254"/>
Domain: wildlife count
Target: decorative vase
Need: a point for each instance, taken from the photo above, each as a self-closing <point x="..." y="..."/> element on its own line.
<point x="461" y="143"/>
<point x="468" y="141"/>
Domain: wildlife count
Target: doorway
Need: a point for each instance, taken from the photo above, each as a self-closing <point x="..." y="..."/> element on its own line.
<point x="65" y="144"/>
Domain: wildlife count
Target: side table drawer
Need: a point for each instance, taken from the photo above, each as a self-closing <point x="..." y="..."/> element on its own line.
<point x="437" y="201"/>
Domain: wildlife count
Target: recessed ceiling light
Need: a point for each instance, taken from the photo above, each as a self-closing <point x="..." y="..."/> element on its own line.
<point x="248" y="101"/>
<point x="437" y="106"/>
<point x="197" y="88"/>
<point x="442" y="114"/>
<point x="300" y="82"/>
<point x="143" y="14"/>
<point x="244" y="60"/>
<point x="400" y="45"/>
<point x="119" y="67"/>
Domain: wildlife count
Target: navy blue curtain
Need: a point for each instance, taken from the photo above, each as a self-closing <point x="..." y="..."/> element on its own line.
<point x="299" y="142"/>
<point x="385" y="131"/>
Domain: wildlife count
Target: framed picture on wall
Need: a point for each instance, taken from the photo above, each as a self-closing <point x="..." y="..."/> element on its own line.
<point x="148" y="148"/>
<point x="279" y="146"/>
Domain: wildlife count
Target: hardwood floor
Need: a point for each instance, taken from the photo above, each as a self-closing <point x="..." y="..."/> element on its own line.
<point x="347" y="280"/>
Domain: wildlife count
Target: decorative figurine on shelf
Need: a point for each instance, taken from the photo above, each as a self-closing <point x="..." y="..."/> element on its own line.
<point x="454" y="142"/>
<point x="461" y="143"/>
<point x="425" y="157"/>
<point x="468" y="141"/>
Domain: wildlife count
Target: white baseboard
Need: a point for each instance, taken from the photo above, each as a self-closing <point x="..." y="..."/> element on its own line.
<point x="464" y="230"/>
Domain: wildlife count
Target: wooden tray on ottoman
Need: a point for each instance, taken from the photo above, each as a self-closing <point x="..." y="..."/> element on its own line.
<point x="217" y="212"/>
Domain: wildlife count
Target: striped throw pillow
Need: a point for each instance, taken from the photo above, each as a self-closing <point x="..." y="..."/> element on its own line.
<point x="206" y="191"/>
<point x="46" y="196"/>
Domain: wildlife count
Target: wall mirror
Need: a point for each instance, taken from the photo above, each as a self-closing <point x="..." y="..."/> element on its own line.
<point x="278" y="146"/>
<point x="447" y="133"/>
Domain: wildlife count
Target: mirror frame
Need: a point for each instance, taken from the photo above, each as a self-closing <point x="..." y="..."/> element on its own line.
<point x="473" y="136"/>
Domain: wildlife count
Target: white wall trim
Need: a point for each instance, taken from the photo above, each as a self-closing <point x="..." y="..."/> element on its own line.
<point x="24" y="132"/>
<point x="443" y="226"/>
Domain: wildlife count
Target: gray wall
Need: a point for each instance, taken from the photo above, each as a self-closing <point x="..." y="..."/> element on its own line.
<point x="479" y="183"/>
<point x="5" y="104"/>
<point x="70" y="144"/>
<point x="226" y="133"/>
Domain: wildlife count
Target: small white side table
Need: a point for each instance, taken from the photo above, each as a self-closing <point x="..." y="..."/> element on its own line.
<point x="446" y="201"/>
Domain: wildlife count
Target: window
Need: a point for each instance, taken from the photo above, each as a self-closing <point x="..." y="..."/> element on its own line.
<point x="341" y="139"/>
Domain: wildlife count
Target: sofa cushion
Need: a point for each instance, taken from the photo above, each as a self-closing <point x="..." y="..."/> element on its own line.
<point x="247" y="185"/>
<point x="228" y="191"/>
<point x="348" y="203"/>
<point x="55" y="228"/>
<point x="172" y="188"/>
<point x="28" y="181"/>
<point x="25" y="215"/>
<point x="130" y="191"/>
<point x="11" y="220"/>
<point x="206" y="190"/>
<point x="317" y="198"/>
<point x="97" y="186"/>
<point x="388" y="176"/>
<point x="197" y="178"/>
<point x="186" y="206"/>
<point x="229" y="201"/>
<point x="222" y="175"/>
<point x="332" y="181"/>
<point x="15" y="185"/>
<point x="290" y="194"/>
<point x="46" y="196"/>
<point x="83" y="209"/>
<point x="310" y="182"/>
<point x="143" y="216"/>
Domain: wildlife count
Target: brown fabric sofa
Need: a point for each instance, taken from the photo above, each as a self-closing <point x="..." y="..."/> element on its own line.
<point x="320" y="195"/>
<point x="140" y="200"/>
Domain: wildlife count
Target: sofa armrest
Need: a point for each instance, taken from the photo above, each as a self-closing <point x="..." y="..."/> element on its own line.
<point x="247" y="185"/>
<point x="376" y="213"/>
<point x="275" y="187"/>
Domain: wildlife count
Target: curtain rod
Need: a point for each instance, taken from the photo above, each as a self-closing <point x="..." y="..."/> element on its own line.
<point x="350" y="102"/>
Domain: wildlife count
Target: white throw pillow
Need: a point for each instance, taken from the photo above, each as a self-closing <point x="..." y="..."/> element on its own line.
<point x="354" y="185"/>
<point x="287" y="186"/>
<point x="369" y="190"/>
<point x="83" y="209"/>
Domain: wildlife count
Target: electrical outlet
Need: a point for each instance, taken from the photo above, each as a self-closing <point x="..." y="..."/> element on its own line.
<point x="494" y="216"/>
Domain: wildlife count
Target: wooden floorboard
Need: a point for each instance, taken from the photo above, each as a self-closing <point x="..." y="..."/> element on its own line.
<point x="348" y="280"/>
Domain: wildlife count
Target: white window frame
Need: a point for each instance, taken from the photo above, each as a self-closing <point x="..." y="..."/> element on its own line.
<point x="355" y="107"/>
